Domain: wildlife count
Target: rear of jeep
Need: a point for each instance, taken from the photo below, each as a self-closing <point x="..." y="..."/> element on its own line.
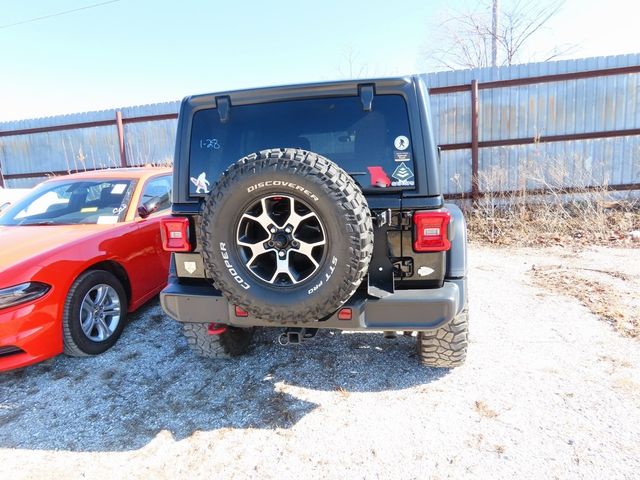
<point x="314" y="206"/>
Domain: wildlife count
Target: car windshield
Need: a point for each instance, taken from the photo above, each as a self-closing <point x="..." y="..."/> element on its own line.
<point x="78" y="201"/>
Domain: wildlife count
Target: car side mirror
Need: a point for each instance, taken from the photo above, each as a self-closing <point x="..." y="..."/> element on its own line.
<point x="152" y="205"/>
<point x="144" y="211"/>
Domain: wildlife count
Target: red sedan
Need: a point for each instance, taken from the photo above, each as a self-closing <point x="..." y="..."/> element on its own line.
<point x="76" y="255"/>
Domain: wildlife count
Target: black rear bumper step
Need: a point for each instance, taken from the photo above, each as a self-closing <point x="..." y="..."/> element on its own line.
<point x="425" y="309"/>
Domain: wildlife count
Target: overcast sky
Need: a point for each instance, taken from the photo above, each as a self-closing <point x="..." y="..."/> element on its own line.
<point x="131" y="52"/>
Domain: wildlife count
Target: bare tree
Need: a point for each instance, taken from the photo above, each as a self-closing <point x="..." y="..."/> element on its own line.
<point x="468" y="39"/>
<point x="351" y="66"/>
<point x="495" y="10"/>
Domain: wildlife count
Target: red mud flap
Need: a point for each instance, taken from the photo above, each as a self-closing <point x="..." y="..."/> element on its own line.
<point x="216" y="328"/>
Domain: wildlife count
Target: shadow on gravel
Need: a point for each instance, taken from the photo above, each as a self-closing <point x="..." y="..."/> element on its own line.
<point x="150" y="381"/>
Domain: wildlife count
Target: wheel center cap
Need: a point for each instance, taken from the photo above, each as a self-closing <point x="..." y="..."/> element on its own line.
<point x="280" y="240"/>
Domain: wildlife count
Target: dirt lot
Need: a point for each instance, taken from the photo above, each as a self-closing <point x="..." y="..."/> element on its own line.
<point x="549" y="391"/>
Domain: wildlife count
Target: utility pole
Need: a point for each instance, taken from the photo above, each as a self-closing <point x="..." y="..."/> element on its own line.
<point x="494" y="33"/>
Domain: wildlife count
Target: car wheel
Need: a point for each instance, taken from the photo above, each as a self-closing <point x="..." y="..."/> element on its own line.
<point x="95" y="313"/>
<point x="445" y="347"/>
<point x="286" y="235"/>
<point x="232" y="342"/>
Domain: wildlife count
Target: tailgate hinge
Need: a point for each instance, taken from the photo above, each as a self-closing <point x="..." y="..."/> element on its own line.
<point x="381" y="217"/>
<point x="223" y="104"/>
<point x="402" y="219"/>
<point x="366" y="93"/>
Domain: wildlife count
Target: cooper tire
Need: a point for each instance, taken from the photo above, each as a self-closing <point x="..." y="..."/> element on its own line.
<point x="232" y="342"/>
<point x="445" y="347"/>
<point x="83" y="330"/>
<point x="337" y="212"/>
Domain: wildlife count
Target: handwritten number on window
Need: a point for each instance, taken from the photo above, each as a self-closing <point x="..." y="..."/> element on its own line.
<point x="210" y="143"/>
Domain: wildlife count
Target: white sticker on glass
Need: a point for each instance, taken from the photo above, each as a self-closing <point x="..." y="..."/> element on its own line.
<point x="201" y="183"/>
<point x="107" y="219"/>
<point x="118" y="188"/>
<point x="401" y="142"/>
<point x="403" y="176"/>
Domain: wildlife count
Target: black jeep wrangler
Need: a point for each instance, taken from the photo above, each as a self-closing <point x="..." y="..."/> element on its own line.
<point x="314" y="206"/>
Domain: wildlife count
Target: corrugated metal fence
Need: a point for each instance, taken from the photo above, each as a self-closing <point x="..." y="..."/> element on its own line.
<point x="574" y="124"/>
<point x="30" y="150"/>
<point x="571" y="124"/>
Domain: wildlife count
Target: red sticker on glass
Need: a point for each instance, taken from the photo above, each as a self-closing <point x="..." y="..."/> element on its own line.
<point x="379" y="178"/>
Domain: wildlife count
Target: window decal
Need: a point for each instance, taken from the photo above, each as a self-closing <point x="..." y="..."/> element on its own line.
<point x="401" y="142"/>
<point x="379" y="177"/>
<point x="201" y="183"/>
<point x="403" y="176"/>
<point x="118" y="188"/>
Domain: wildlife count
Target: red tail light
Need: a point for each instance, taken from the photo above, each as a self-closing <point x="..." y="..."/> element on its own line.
<point x="175" y="234"/>
<point x="344" y="314"/>
<point x="241" y="312"/>
<point x="431" y="231"/>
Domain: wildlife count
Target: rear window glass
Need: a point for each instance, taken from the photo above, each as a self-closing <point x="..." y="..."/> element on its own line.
<point x="374" y="147"/>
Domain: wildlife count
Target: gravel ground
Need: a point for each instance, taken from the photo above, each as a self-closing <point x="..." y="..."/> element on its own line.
<point x="548" y="391"/>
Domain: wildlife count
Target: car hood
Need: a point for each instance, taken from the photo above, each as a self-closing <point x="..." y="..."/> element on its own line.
<point x="22" y="243"/>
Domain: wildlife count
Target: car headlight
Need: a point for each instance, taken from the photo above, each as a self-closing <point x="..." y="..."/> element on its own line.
<point x="24" y="292"/>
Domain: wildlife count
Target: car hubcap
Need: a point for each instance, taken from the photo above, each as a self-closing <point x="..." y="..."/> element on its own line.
<point x="281" y="240"/>
<point x="100" y="312"/>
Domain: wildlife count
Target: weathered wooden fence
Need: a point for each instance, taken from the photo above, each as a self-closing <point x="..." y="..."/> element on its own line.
<point x="573" y="123"/>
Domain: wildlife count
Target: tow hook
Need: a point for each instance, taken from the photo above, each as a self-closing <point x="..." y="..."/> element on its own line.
<point x="295" y="335"/>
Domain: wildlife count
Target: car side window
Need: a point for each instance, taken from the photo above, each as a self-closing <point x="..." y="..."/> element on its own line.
<point x="158" y="187"/>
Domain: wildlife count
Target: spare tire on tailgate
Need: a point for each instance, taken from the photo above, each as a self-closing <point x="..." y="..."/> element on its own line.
<point x="286" y="235"/>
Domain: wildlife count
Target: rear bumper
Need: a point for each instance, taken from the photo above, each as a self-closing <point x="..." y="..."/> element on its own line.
<point x="427" y="309"/>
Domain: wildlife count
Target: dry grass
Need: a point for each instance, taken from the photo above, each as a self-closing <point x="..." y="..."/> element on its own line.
<point x="598" y="295"/>
<point x="484" y="410"/>
<point x="511" y="215"/>
<point x="342" y="392"/>
<point x="499" y="449"/>
<point x="580" y="222"/>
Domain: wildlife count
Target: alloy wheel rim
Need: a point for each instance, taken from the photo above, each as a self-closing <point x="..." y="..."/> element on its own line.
<point x="281" y="240"/>
<point x="100" y="312"/>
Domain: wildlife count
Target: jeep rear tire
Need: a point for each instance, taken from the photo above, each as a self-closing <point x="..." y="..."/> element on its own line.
<point x="232" y="342"/>
<point x="286" y="235"/>
<point x="445" y="347"/>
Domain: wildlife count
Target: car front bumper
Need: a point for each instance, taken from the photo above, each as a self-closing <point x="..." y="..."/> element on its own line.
<point x="29" y="333"/>
<point x="426" y="309"/>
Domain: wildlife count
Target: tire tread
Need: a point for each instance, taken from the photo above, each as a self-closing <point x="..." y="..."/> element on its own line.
<point x="232" y="343"/>
<point x="445" y="347"/>
<point x="338" y="185"/>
